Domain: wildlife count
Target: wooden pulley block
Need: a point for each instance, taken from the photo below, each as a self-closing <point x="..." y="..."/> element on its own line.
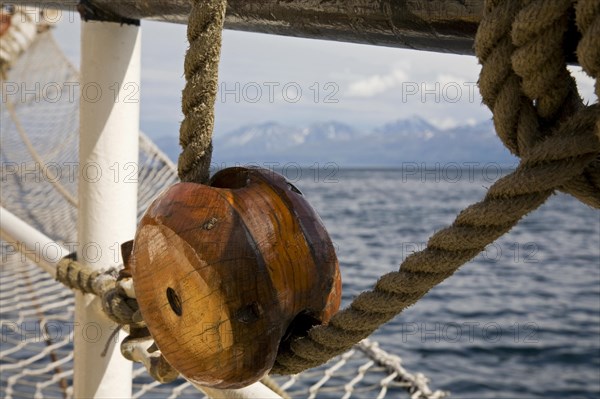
<point x="226" y="273"/>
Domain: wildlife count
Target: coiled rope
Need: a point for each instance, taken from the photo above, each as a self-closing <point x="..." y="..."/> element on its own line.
<point x="538" y="115"/>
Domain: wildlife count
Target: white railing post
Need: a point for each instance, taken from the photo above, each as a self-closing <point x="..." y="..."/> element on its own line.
<point x="108" y="166"/>
<point x="32" y="244"/>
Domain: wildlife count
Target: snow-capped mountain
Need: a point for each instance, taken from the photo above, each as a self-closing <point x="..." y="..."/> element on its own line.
<point x="405" y="140"/>
<point x="410" y="128"/>
<point x="269" y="136"/>
<point x="273" y="137"/>
<point x="333" y="131"/>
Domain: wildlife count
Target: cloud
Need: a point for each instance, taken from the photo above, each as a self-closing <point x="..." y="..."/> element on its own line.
<point x="444" y="123"/>
<point x="375" y="84"/>
<point x="445" y="79"/>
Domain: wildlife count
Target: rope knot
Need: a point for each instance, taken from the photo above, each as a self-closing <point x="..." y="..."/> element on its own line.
<point x="524" y="80"/>
<point x="116" y="303"/>
<point x="121" y="308"/>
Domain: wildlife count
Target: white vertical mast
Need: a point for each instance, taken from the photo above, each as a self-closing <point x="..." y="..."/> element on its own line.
<point x="108" y="156"/>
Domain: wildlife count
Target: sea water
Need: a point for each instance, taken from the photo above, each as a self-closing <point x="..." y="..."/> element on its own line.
<point x="521" y="320"/>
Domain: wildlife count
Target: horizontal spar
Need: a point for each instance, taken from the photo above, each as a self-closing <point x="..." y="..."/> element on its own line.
<point x="447" y="26"/>
<point x="443" y="26"/>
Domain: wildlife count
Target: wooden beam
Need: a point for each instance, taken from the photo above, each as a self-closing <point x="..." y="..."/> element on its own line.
<point x="434" y="25"/>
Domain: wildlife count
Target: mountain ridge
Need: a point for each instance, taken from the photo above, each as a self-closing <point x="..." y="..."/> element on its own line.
<point x="392" y="144"/>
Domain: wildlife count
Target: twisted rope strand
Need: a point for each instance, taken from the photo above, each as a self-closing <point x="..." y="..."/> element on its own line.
<point x="514" y="117"/>
<point x="538" y="33"/>
<point x="116" y="304"/>
<point x="201" y="72"/>
<point x="524" y="64"/>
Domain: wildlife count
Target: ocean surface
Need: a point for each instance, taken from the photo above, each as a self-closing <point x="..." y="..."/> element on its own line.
<point x="520" y="321"/>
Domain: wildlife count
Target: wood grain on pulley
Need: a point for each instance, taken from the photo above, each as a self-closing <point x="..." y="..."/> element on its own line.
<point x="224" y="274"/>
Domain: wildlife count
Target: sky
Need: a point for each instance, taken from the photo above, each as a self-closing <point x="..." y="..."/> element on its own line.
<point x="301" y="81"/>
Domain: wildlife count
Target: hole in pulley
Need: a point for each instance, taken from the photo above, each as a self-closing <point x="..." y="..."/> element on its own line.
<point x="174" y="301"/>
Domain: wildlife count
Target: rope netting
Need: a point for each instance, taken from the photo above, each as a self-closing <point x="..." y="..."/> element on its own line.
<point x="39" y="147"/>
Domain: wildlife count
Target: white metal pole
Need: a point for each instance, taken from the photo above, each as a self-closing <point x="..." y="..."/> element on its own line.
<point x="108" y="156"/>
<point x="34" y="245"/>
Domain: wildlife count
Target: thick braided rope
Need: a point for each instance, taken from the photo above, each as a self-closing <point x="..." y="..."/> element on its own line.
<point x="201" y="72"/>
<point x="524" y="80"/>
<point x="553" y="159"/>
<point x="539" y="32"/>
<point x="514" y="116"/>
